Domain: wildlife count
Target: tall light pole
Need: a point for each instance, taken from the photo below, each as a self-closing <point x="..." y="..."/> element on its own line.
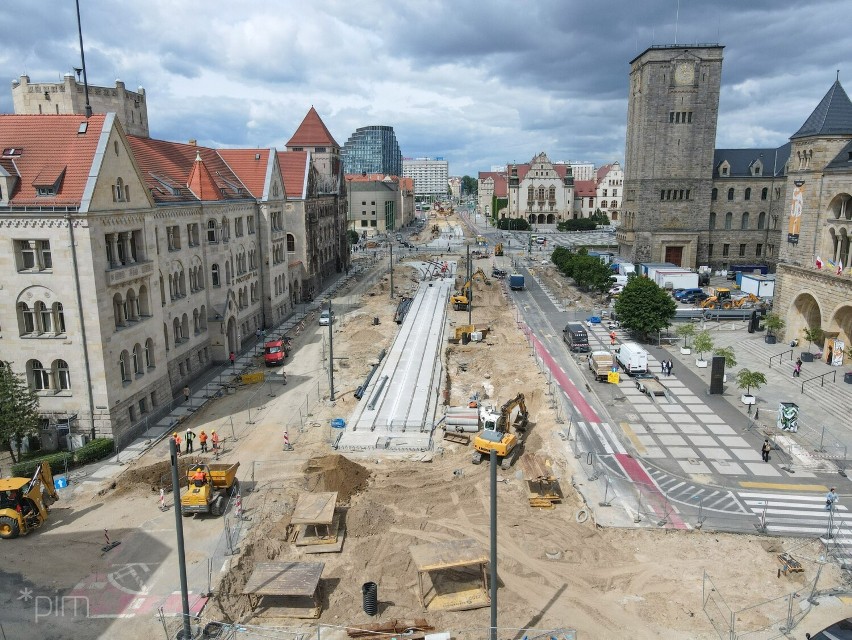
<point x="83" y="62"/>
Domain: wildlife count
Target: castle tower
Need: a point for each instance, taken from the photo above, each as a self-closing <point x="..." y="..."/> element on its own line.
<point x="671" y="134"/>
<point x="68" y="96"/>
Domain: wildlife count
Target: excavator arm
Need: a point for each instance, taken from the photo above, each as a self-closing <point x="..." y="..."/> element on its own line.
<point x="43" y="479"/>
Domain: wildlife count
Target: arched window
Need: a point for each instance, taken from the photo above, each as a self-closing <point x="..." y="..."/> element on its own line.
<point x="714" y="195"/>
<point x="59" y="317"/>
<point x="551" y="194"/>
<point x="184" y="329"/>
<point x="214" y="275"/>
<point x="162" y="291"/>
<point x="541" y="193"/>
<point x="744" y="221"/>
<point x="211" y="231"/>
<point x="729" y="219"/>
<point x="45" y="317"/>
<point x="149" y="353"/>
<point x="712" y="219"/>
<point x="747" y="194"/>
<point x="761" y="220"/>
<point x="39" y="375"/>
<point x="124" y="366"/>
<point x="203" y="318"/>
<point x="291" y="243"/>
<point x="764" y="193"/>
<point x="176" y="327"/>
<point x="27" y="318"/>
<point x="143" y="307"/>
<point x="137" y="359"/>
<point x="731" y="193"/>
<point x="118" y="310"/>
<point x="196" y="327"/>
<point x="63" y="375"/>
<point x="166" y="335"/>
<point x="132" y="305"/>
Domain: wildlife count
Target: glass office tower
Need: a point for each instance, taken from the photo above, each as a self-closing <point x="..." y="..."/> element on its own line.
<point x="372" y="150"/>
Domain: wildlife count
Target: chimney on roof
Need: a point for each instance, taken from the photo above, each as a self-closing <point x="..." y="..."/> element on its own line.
<point x="193" y="141"/>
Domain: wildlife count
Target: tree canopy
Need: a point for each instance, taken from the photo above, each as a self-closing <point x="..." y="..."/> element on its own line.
<point x="645" y="307"/>
<point x="513" y="224"/>
<point x="18" y="410"/>
<point x="469" y="186"/>
<point x="587" y="271"/>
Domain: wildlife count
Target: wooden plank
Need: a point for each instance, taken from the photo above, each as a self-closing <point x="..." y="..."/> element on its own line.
<point x="443" y="555"/>
<point x="536" y="468"/>
<point x="315" y="508"/>
<point x="299" y="579"/>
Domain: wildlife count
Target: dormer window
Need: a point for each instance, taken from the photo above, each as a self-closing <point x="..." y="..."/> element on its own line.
<point x="725" y="169"/>
<point x="757" y="169"/>
<point x="48" y="180"/>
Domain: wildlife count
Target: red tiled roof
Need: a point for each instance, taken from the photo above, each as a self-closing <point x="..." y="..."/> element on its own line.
<point x="406" y="184"/>
<point x="201" y="183"/>
<point x="312" y="133"/>
<point x="585" y="188"/>
<point x="602" y="171"/>
<point x="167" y="168"/>
<point x="500" y="188"/>
<point x="293" y="165"/>
<point x="50" y="144"/>
<point x="250" y="165"/>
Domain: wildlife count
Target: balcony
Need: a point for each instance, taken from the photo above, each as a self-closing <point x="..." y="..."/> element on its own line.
<point x="119" y="274"/>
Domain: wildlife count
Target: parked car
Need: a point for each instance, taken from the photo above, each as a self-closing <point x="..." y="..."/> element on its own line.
<point x="326" y="317"/>
<point x="694" y="298"/>
<point x="682" y="293"/>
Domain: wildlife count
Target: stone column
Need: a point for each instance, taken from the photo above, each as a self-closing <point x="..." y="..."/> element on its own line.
<point x="127" y="239"/>
<point x="112" y="238"/>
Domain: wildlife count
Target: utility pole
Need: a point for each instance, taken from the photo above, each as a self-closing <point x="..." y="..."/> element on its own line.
<point x="470" y="289"/>
<point x="330" y="354"/>
<point x="83" y="62"/>
<point x="391" y="269"/>
<point x="184" y="593"/>
<point x="493" y="472"/>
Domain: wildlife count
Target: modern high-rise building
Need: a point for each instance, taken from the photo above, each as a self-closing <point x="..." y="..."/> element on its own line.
<point x="372" y="149"/>
<point x="430" y="177"/>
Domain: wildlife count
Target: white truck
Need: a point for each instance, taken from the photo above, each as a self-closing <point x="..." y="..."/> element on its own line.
<point x="632" y="358"/>
<point x="600" y="364"/>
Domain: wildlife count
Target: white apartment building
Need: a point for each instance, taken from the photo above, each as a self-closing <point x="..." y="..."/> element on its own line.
<point x="430" y="177"/>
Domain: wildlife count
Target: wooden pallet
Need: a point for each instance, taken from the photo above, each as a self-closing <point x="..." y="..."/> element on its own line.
<point x="789" y="564"/>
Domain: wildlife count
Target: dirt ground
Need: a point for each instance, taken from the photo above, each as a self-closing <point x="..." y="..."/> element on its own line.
<point x="554" y="572"/>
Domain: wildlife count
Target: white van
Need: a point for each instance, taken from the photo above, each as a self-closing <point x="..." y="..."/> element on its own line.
<point x="632" y="358"/>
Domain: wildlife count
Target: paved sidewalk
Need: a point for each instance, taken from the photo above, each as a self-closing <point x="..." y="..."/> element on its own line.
<point x="207" y="387"/>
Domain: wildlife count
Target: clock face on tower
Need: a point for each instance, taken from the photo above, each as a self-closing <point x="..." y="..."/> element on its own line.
<point x="684" y="73"/>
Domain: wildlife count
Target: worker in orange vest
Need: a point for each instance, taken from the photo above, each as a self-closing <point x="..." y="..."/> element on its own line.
<point x="177" y="440"/>
<point x="199" y="477"/>
<point x="612" y="338"/>
<point x="214" y="437"/>
<point x="202" y="439"/>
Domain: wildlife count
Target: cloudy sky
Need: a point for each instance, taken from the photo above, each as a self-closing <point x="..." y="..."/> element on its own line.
<point x="480" y="83"/>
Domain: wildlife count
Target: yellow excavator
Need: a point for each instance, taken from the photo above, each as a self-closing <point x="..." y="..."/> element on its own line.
<point x="503" y="431"/>
<point x="720" y="299"/>
<point x="25" y="502"/>
<point x="461" y="299"/>
<point x="498" y="249"/>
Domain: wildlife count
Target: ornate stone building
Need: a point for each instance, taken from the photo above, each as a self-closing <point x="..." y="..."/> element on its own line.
<point x="540" y="191"/>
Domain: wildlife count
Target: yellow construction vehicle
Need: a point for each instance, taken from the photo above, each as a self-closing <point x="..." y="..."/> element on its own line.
<point x="498" y="249"/>
<point x="469" y="329"/>
<point x="208" y="488"/>
<point x="461" y="298"/>
<point x="720" y="298"/>
<point x="503" y="431"/>
<point x="25" y="502"/>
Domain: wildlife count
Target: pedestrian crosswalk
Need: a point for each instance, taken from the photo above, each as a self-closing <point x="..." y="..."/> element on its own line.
<point x="797" y="514"/>
<point x="696" y="495"/>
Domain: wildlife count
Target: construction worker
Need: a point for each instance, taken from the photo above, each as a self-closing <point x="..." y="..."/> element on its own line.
<point x="202" y="439"/>
<point x="199" y="477"/>
<point x="190" y="437"/>
<point x="612" y="338"/>
<point x="214" y="438"/>
<point x="177" y="440"/>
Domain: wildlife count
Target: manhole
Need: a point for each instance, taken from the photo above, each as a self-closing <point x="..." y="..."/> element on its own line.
<point x="553" y="554"/>
<point x="694" y="461"/>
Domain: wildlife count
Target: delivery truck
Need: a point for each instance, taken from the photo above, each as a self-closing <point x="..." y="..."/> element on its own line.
<point x="601" y="364"/>
<point x="516" y="282"/>
<point x="632" y="358"/>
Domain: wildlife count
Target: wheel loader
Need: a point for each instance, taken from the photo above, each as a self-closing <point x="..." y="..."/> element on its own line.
<point x="209" y="492"/>
<point x="25" y="502"/>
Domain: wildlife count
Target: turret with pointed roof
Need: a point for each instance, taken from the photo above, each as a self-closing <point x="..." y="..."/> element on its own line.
<point x="312" y="133"/>
<point x="832" y="116"/>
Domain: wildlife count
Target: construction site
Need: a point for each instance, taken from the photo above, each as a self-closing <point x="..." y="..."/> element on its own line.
<point x="367" y="515"/>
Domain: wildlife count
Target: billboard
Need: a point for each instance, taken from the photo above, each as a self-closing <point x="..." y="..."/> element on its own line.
<point x="794" y="223"/>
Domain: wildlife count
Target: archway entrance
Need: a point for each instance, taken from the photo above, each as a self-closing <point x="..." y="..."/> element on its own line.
<point x="804" y="313"/>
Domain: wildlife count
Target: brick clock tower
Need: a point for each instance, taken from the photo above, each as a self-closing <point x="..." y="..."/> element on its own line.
<point x="671" y="136"/>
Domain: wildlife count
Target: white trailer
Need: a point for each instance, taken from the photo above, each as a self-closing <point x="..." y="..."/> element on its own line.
<point x="676" y="279"/>
<point x="632" y="358"/>
<point x="626" y="268"/>
<point x="761" y="286"/>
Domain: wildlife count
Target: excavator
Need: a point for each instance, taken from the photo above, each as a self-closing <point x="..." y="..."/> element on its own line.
<point x="498" y="249"/>
<point x="501" y="432"/>
<point x="722" y="299"/>
<point x="461" y="299"/>
<point x="24" y="502"/>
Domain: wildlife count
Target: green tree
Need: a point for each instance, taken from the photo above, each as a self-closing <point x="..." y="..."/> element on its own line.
<point x="702" y="343"/>
<point x="813" y="334"/>
<point x="18" y="410"/>
<point x="686" y="331"/>
<point x="747" y="379"/>
<point x="352" y="236"/>
<point x="773" y="323"/>
<point x="728" y="354"/>
<point x="469" y="186"/>
<point x="643" y="306"/>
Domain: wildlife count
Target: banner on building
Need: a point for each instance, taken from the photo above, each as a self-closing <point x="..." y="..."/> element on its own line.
<point x="834" y="352"/>
<point x="794" y="224"/>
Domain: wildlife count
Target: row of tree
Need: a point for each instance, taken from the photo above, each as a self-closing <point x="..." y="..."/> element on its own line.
<point x="588" y="272"/>
<point x="18" y="411"/>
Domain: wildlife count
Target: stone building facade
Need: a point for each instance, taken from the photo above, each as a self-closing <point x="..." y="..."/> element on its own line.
<point x="68" y="96"/>
<point x="378" y="203"/>
<point x="541" y="192"/>
<point x="671" y="133"/>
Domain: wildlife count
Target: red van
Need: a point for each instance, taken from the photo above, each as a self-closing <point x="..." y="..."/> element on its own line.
<point x="274" y="352"/>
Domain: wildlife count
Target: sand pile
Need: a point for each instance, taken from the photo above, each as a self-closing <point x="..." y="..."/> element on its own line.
<point x="152" y="477"/>
<point x="336" y="473"/>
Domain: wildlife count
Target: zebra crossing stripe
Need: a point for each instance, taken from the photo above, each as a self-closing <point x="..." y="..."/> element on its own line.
<point x="607" y="437"/>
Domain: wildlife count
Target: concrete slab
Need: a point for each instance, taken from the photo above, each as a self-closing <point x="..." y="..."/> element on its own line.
<point x="662" y="428"/>
<point x="763" y="469"/>
<point x="733" y="441"/>
<point x="673" y="408"/>
<point x="715" y="453"/>
<point x="672" y="440"/>
<point x="703" y="441"/>
<point x="692" y="428"/>
<point x="702" y="408"/>
<point x="728" y="468"/>
<point x="655" y="452"/>
<point x="654" y="416"/>
<point x="637" y="428"/>
<point x="720" y="430"/>
<point x="682" y="453"/>
<point x="689" y="467"/>
<point x="747" y="455"/>
<point x="711" y="419"/>
<point x="646" y="439"/>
